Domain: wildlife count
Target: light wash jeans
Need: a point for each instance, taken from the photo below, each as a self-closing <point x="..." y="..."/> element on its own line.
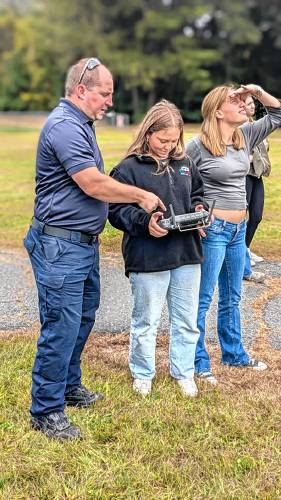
<point x="224" y="259"/>
<point x="181" y="289"/>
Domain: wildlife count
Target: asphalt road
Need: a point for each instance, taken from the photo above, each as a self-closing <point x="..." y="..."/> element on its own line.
<point x="18" y="300"/>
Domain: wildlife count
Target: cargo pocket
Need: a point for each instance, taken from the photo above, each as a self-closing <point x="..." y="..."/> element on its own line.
<point x="50" y="290"/>
<point x="59" y="296"/>
<point x="50" y="363"/>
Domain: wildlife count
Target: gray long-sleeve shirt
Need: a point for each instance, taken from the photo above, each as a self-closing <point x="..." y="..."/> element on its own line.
<point x="225" y="176"/>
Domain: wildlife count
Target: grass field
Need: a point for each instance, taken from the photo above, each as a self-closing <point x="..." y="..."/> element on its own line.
<point x="17" y="158"/>
<point x="223" y="445"/>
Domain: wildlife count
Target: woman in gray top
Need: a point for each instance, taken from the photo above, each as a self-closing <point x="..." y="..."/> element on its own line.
<point x="221" y="153"/>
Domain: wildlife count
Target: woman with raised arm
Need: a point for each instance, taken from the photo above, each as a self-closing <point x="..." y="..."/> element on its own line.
<point x="221" y="153"/>
<point x="161" y="265"/>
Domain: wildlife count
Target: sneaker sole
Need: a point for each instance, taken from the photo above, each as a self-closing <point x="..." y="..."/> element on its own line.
<point x="84" y="403"/>
<point x="210" y="380"/>
<point x="257" y="259"/>
<point x="256" y="368"/>
<point x="141" y="393"/>
<point x="189" y="395"/>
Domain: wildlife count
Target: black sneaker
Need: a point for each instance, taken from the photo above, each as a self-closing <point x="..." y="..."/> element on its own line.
<point x="56" y="425"/>
<point x="81" y="397"/>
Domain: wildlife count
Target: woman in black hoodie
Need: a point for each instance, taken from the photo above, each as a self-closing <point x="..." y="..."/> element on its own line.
<point x="160" y="264"/>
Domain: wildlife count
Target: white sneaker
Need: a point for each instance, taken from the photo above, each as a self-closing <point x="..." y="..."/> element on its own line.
<point x="255" y="258"/>
<point x="142" y="386"/>
<point x="188" y="387"/>
<point x="257" y="365"/>
<point x="207" y="377"/>
<point x="255" y="277"/>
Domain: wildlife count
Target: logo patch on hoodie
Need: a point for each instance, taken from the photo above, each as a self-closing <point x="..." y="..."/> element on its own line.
<point x="184" y="170"/>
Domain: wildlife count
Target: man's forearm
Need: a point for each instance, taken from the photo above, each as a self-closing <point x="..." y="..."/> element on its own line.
<point x="110" y="190"/>
<point x="104" y="188"/>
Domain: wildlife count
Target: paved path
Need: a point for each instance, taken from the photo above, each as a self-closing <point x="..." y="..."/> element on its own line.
<point x="18" y="299"/>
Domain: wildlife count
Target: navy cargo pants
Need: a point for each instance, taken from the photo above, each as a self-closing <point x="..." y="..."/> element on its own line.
<point x="67" y="278"/>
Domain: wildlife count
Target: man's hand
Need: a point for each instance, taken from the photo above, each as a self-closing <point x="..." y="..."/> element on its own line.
<point x="154" y="229"/>
<point x="150" y="202"/>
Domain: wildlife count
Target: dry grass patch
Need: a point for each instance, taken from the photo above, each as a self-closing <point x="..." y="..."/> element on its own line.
<point x="223" y="444"/>
<point x="112" y="351"/>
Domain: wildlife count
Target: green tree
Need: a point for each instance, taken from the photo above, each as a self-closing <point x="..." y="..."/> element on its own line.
<point x="146" y="46"/>
<point x="177" y="49"/>
<point x="265" y="57"/>
<point x="229" y="28"/>
<point x="28" y="75"/>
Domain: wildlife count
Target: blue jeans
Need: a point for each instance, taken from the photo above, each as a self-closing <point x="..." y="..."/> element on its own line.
<point x="150" y="290"/>
<point x="67" y="279"/>
<point x="247" y="267"/>
<point x="224" y="258"/>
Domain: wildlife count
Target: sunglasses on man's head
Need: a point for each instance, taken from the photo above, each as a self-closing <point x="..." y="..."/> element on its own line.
<point x="90" y="64"/>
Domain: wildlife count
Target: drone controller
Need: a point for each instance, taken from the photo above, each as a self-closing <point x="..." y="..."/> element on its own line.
<point x="187" y="222"/>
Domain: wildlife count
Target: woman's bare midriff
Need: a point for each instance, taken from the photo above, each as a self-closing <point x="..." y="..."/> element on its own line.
<point x="233" y="216"/>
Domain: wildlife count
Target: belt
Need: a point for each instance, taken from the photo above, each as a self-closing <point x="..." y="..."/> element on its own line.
<point x="75" y="236"/>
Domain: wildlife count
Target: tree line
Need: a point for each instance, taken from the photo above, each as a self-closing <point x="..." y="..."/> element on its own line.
<point x="177" y="49"/>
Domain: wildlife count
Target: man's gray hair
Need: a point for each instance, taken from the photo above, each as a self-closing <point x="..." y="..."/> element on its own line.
<point x="90" y="78"/>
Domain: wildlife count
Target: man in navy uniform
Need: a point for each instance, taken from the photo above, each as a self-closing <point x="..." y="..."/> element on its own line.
<point x="70" y="212"/>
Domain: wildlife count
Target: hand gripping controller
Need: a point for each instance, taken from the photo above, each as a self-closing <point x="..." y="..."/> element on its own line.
<point x="187" y="222"/>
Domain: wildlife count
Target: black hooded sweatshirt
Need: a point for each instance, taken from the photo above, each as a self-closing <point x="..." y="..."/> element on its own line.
<point x="182" y="186"/>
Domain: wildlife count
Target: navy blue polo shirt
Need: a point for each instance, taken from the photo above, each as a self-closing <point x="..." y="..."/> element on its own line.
<point x="67" y="145"/>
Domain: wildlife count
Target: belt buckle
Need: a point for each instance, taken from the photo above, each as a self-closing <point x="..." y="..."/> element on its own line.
<point x="92" y="239"/>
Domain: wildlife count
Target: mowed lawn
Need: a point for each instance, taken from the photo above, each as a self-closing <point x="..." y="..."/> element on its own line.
<point x="224" y="444"/>
<point x="17" y="160"/>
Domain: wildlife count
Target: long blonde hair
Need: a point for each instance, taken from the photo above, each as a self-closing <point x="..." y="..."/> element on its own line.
<point x="244" y="98"/>
<point x="210" y="133"/>
<point x="162" y="115"/>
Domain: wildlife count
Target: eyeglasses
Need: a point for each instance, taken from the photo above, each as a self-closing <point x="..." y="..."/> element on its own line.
<point x="90" y="64"/>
